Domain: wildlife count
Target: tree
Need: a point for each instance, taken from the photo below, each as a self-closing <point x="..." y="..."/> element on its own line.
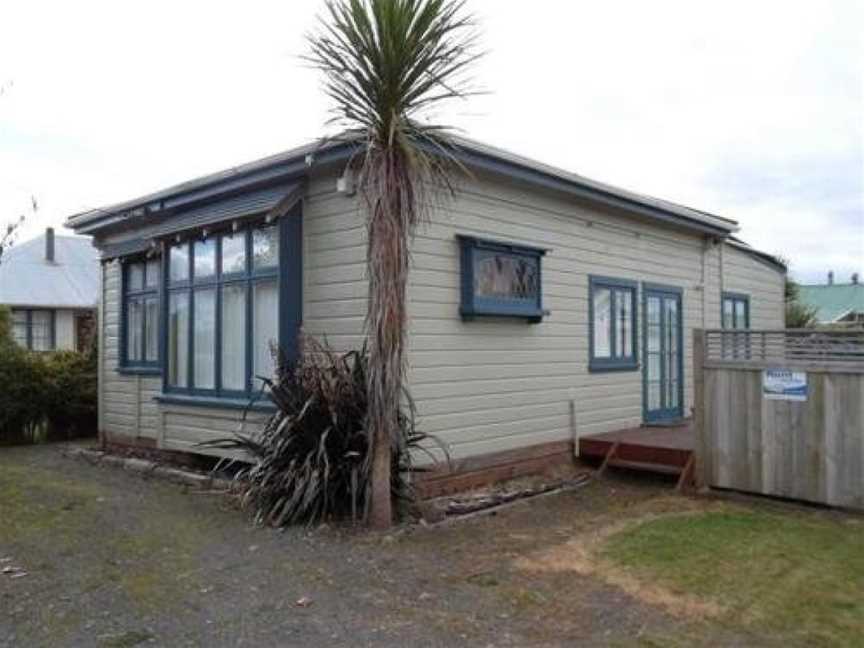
<point x="798" y="314"/>
<point x="386" y="63"/>
<point x="7" y="237"/>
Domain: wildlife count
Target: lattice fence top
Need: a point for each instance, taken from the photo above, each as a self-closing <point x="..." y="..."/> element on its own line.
<point x="799" y="346"/>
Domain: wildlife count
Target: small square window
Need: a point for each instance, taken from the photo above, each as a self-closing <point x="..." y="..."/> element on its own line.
<point x="234" y="253"/>
<point x="136" y="276"/>
<point x="205" y="259"/>
<point x="178" y="260"/>
<point x="152" y="273"/>
<point x="500" y="279"/>
<point x="265" y="247"/>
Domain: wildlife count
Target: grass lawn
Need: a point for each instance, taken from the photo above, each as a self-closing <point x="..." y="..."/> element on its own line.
<point x="798" y="575"/>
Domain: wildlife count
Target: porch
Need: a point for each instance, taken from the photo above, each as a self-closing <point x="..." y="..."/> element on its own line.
<point x="667" y="450"/>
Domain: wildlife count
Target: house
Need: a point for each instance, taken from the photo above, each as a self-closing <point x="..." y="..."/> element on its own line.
<point x="51" y="284"/>
<point x="543" y="305"/>
<point x="841" y="304"/>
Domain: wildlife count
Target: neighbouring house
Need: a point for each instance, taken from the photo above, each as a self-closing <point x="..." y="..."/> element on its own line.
<point x="836" y="303"/>
<point x="51" y="284"/>
<point x="543" y="305"/>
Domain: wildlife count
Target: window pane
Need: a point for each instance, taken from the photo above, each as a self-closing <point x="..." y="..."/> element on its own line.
<point x="265" y="247"/>
<point x="153" y="272"/>
<point x="740" y="314"/>
<point x="234" y="337"/>
<point x="19" y="327"/>
<point x="134" y="325"/>
<point x="234" y="252"/>
<point x="178" y="339"/>
<point x="179" y="261"/>
<point x="728" y="314"/>
<point x="624" y="322"/>
<point x="41" y="330"/>
<point x="505" y="276"/>
<point x="151" y="329"/>
<point x="135" y="276"/>
<point x="205" y="339"/>
<point x="205" y="258"/>
<point x="602" y="318"/>
<point x="265" y="326"/>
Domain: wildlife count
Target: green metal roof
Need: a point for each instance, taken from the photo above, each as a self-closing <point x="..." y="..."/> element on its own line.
<point x="832" y="302"/>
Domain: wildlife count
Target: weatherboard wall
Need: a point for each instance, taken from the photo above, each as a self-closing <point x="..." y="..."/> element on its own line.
<point x="486" y="385"/>
<point x="497" y="384"/>
<point x="762" y="283"/>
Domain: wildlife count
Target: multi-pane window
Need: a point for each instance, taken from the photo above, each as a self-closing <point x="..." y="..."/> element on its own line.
<point x="736" y="311"/>
<point x="223" y="312"/>
<point x="141" y="313"/>
<point x="612" y="324"/>
<point x="34" y="329"/>
<point x="500" y="279"/>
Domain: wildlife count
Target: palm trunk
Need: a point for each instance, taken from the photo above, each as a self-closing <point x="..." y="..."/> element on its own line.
<point x="389" y="231"/>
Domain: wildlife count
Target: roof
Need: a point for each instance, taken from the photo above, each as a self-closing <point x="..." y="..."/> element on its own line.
<point x="778" y="263"/>
<point x="296" y="162"/>
<point x="833" y="301"/>
<point x="71" y="281"/>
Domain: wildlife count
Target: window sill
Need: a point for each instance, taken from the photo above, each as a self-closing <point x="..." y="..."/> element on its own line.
<point x="139" y="371"/>
<point x="212" y="402"/>
<point x="604" y="367"/>
<point x="532" y="316"/>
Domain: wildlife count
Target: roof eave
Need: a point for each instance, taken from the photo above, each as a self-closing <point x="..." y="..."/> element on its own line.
<point x="299" y="161"/>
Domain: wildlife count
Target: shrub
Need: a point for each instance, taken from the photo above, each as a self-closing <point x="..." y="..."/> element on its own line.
<point x="44" y="396"/>
<point x="311" y="459"/>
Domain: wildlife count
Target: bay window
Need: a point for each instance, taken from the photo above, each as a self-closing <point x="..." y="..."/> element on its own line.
<point x="223" y="312"/>
<point x="612" y="324"/>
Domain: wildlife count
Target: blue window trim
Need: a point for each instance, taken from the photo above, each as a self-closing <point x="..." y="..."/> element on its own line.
<point x="52" y="324"/>
<point x="289" y="280"/>
<point x="472" y="306"/>
<point x="736" y="297"/>
<point x="137" y="367"/>
<point x="603" y="364"/>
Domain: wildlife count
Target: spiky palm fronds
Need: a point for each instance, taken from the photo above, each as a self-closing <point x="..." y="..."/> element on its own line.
<point x="387" y="63"/>
<point x="309" y="460"/>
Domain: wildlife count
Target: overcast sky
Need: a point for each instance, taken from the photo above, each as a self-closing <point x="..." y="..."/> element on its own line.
<point x="751" y="110"/>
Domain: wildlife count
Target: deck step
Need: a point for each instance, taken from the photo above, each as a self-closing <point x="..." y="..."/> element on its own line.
<point x="664" y="469"/>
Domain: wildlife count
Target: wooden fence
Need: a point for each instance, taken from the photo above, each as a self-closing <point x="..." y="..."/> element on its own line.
<point x="806" y="443"/>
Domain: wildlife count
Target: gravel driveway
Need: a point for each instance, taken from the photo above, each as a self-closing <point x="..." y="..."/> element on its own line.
<point x="114" y="559"/>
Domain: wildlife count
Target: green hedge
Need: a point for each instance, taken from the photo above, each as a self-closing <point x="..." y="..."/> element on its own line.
<point x="44" y="396"/>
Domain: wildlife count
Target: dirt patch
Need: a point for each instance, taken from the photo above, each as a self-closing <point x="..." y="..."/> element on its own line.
<point x="581" y="555"/>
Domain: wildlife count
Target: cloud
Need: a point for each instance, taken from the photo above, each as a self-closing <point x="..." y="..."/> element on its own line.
<point x="750" y="110"/>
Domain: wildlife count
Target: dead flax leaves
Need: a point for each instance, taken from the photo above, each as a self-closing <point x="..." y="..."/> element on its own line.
<point x="581" y="554"/>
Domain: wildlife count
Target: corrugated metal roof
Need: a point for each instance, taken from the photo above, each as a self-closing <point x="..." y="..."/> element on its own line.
<point x="71" y="281"/>
<point x="91" y="219"/>
<point x="832" y="302"/>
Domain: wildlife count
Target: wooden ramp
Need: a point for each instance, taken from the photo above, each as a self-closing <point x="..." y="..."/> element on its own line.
<point x="667" y="450"/>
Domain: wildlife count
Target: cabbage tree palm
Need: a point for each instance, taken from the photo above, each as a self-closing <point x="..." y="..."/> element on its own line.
<point x="386" y="64"/>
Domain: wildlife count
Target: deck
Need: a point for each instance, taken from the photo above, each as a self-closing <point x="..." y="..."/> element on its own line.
<point x="666" y="450"/>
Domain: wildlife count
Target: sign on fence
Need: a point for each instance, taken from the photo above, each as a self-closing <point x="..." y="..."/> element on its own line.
<point x="782" y="384"/>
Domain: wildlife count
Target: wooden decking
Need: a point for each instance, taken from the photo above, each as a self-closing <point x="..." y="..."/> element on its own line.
<point x="656" y="449"/>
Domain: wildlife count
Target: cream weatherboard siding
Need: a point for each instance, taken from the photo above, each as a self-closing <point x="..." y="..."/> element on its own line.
<point x="743" y="273"/>
<point x="496" y="384"/>
<point x="489" y="384"/>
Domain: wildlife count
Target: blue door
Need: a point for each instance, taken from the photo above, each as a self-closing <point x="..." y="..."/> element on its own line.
<point x="663" y="385"/>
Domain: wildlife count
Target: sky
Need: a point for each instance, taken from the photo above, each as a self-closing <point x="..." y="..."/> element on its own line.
<point x="750" y="110"/>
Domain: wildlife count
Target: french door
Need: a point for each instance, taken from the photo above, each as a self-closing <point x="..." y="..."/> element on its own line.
<point x="664" y="354"/>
